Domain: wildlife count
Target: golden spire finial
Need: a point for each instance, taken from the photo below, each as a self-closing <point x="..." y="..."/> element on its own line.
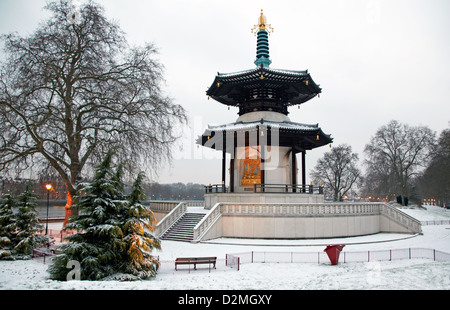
<point x="262" y="24"/>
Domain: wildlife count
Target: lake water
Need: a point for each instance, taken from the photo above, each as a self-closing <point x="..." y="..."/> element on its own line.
<point x="56" y="209"/>
<point x="53" y="211"/>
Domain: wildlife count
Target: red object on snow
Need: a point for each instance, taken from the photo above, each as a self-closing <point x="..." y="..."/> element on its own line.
<point x="333" y="252"/>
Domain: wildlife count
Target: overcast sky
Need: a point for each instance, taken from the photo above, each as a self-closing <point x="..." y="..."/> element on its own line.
<point x="375" y="61"/>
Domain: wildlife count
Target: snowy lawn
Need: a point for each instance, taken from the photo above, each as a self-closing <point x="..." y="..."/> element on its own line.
<point x="399" y="274"/>
<point x="396" y="275"/>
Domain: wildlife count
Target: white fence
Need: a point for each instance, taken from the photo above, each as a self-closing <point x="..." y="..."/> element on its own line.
<point x="435" y="222"/>
<point x="236" y="259"/>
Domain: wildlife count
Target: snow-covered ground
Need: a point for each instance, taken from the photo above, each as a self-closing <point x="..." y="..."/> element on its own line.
<point x="396" y="274"/>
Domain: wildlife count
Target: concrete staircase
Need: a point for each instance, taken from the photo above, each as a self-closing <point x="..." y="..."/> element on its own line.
<point x="183" y="229"/>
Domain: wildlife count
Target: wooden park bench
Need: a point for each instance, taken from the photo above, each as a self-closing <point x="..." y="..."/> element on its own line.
<point x="196" y="261"/>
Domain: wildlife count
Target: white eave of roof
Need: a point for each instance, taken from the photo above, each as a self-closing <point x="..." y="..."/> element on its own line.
<point x="282" y="71"/>
<point x="252" y="125"/>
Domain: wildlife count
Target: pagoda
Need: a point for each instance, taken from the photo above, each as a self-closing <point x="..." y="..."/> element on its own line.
<point x="263" y="142"/>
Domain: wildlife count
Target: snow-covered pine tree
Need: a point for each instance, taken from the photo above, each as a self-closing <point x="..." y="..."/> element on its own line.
<point x="27" y="223"/>
<point x="138" y="226"/>
<point x="98" y="244"/>
<point x="7" y="221"/>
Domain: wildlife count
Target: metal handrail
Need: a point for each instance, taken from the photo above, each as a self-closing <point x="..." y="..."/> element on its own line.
<point x="271" y="188"/>
<point x="216" y="188"/>
<point x="288" y="188"/>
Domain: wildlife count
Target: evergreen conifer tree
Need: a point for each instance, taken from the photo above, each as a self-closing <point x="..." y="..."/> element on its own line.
<point x="7" y="217"/>
<point x="113" y="230"/>
<point x="27" y="223"/>
<point x="98" y="245"/>
<point x="138" y="226"/>
<point x="7" y="222"/>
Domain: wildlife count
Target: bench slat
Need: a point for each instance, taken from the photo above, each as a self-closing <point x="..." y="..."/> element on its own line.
<point x="195" y="260"/>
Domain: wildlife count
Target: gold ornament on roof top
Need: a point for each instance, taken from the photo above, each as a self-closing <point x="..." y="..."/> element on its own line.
<point x="262" y="25"/>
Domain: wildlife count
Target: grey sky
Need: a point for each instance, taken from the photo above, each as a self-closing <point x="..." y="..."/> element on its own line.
<point x="375" y="61"/>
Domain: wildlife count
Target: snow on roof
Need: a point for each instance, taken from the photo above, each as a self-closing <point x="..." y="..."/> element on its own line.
<point x="280" y="71"/>
<point x="272" y="124"/>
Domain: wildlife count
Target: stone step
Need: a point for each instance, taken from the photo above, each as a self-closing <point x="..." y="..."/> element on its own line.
<point x="183" y="229"/>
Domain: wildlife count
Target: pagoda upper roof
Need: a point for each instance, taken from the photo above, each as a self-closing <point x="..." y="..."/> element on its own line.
<point x="264" y="84"/>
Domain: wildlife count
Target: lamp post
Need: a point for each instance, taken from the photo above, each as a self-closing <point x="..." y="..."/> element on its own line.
<point x="48" y="187"/>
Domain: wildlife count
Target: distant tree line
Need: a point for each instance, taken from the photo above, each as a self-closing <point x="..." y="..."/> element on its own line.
<point x="153" y="190"/>
<point x="434" y="182"/>
<point x="402" y="163"/>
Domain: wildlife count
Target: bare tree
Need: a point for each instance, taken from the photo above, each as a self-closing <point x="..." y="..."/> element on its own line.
<point x="396" y="154"/>
<point x="337" y="170"/>
<point x="75" y="89"/>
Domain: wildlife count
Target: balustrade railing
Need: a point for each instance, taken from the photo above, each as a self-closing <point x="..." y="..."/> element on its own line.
<point x="163" y="205"/>
<point x="170" y="218"/>
<point x="295" y="209"/>
<point x="203" y="226"/>
<point x="167" y="206"/>
<point x="310" y="209"/>
<point x="401" y="217"/>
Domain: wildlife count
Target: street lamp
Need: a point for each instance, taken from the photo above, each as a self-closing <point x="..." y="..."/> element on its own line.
<point x="48" y="187"/>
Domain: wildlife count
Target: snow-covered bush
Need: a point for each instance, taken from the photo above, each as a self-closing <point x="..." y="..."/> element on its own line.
<point x="21" y="228"/>
<point x="6" y="227"/>
<point x="113" y="231"/>
<point x="7" y="218"/>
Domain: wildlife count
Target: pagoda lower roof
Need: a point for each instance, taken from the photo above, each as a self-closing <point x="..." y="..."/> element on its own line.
<point x="289" y="86"/>
<point x="299" y="136"/>
<point x="253" y="125"/>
